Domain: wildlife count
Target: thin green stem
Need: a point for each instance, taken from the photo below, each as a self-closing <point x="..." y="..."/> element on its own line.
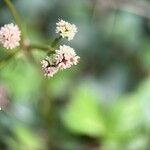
<point x="41" y="47"/>
<point x="16" y="18"/>
<point x="49" y="49"/>
<point x="54" y="45"/>
<point x="56" y="41"/>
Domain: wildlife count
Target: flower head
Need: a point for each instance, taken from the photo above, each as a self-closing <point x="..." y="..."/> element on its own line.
<point x="48" y="69"/>
<point x="65" y="57"/>
<point x="10" y="36"/>
<point x="66" y="29"/>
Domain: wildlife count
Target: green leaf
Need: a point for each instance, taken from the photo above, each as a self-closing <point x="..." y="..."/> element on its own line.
<point x="83" y="114"/>
<point x="25" y="139"/>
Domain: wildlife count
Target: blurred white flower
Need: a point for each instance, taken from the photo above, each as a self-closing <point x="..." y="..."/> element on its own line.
<point x="48" y="69"/>
<point x="10" y="36"/>
<point x="66" y="29"/>
<point x="65" y="57"/>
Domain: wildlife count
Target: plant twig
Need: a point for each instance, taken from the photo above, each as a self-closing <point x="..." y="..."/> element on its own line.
<point x="56" y="41"/>
<point x="41" y="47"/>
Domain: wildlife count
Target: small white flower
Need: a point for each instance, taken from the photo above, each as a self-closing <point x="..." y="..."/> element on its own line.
<point x="65" y="57"/>
<point x="44" y="63"/>
<point x="10" y="36"/>
<point x="48" y="69"/>
<point x="66" y="29"/>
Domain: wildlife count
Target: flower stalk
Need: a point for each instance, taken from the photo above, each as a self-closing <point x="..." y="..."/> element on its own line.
<point x="45" y="48"/>
<point x="56" y="42"/>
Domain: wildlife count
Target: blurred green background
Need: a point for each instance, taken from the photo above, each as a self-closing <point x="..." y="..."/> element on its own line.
<point x="103" y="103"/>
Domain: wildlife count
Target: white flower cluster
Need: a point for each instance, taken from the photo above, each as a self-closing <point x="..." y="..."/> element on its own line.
<point x="64" y="58"/>
<point x="48" y="69"/>
<point x="10" y="36"/>
<point x="66" y="30"/>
